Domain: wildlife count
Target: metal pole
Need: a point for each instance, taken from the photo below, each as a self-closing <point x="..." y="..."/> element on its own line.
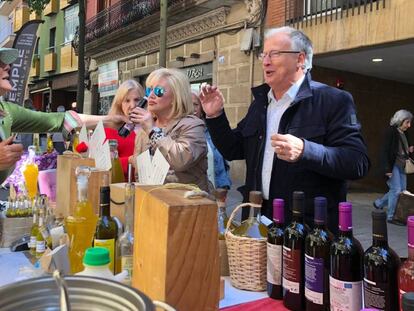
<point x="163" y="33"/>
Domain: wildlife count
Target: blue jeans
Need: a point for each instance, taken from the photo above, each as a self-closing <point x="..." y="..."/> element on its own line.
<point x="396" y="183"/>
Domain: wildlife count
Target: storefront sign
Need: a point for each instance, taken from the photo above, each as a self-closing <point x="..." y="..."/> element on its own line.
<point x="199" y="73"/>
<point x="108" y="79"/>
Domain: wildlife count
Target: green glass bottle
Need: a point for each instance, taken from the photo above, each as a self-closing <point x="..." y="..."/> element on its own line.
<point x="106" y="231"/>
<point x="117" y="174"/>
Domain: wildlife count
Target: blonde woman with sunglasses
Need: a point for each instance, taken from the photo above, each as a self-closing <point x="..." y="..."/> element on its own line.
<point x="170" y="126"/>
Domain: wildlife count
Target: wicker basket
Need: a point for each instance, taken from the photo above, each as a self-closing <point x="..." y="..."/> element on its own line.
<point x="12" y="229"/>
<point x="247" y="258"/>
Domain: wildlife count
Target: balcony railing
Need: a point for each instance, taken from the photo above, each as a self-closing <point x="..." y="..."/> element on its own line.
<point x="121" y="14"/>
<point x="308" y="12"/>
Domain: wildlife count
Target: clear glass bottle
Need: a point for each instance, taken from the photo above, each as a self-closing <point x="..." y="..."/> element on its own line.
<point x="106" y="232"/>
<point x="221" y="196"/>
<point x="40" y="241"/>
<point x="30" y="172"/>
<point x="125" y="244"/>
<point x="82" y="224"/>
<point x="75" y="142"/>
<point x="33" y="233"/>
<point x="36" y="143"/>
<point x="252" y="227"/>
<point x="49" y="143"/>
<point x="117" y="174"/>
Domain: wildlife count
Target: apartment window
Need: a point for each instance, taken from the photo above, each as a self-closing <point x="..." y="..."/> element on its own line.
<point x="52" y="38"/>
<point x="71" y="22"/>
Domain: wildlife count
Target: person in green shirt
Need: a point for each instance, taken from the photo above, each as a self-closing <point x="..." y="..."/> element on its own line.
<point x="16" y="119"/>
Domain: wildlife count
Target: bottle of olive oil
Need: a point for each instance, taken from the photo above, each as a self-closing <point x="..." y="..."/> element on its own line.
<point x="252" y="227"/>
<point x="106" y="229"/>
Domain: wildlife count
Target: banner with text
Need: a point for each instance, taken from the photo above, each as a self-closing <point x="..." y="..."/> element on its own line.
<point x="24" y="42"/>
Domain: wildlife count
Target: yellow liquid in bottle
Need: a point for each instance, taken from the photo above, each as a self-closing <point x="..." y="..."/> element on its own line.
<point x="50" y="147"/>
<point x="75" y="143"/>
<point x="81" y="229"/>
<point x="117" y="174"/>
<point x="30" y="174"/>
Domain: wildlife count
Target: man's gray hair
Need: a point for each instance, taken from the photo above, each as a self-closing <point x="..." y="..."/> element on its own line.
<point x="300" y="42"/>
<point x="400" y="116"/>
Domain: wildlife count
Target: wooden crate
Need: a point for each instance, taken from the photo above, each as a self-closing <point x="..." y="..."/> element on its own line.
<point x="176" y="256"/>
<point x="67" y="190"/>
<point x="118" y="201"/>
<point x="12" y="229"/>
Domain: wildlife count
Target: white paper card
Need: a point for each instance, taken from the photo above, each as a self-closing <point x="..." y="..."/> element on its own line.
<point x="144" y="167"/>
<point x="83" y="135"/>
<point x="160" y="168"/>
<point x="103" y="157"/>
<point x="97" y="139"/>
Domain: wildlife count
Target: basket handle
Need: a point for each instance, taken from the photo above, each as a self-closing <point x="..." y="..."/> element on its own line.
<point x="233" y="213"/>
<point x="163" y="305"/>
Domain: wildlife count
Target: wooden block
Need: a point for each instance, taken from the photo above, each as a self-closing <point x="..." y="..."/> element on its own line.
<point x="176" y="249"/>
<point x="221" y="288"/>
<point x="66" y="195"/>
<point x="12" y="229"/>
<point x="118" y="201"/>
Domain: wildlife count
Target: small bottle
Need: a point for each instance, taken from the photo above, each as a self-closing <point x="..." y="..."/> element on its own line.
<point x="40" y="241"/>
<point x="221" y="195"/>
<point x="106" y="229"/>
<point x="407" y="301"/>
<point x="127" y="128"/>
<point x="125" y="244"/>
<point x="75" y="142"/>
<point x="30" y="172"/>
<point x="294" y="256"/>
<point x="252" y="227"/>
<point x="317" y="260"/>
<point x="406" y="271"/>
<point x="33" y="234"/>
<point x="346" y="273"/>
<point x="96" y="263"/>
<point x="117" y="174"/>
<point x="11" y="208"/>
<point x="49" y="143"/>
<point x="36" y="143"/>
<point x="274" y="251"/>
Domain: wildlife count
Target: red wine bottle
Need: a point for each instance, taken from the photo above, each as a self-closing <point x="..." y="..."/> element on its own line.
<point x="346" y="273"/>
<point x="406" y="272"/>
<point x="317" y="260"/>
<point x="381" y="265"/>
<point x="274" y="251"/>
<point x="294" y="255"/>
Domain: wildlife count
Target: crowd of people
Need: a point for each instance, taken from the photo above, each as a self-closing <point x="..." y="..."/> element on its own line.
<point x="298" y="134"/>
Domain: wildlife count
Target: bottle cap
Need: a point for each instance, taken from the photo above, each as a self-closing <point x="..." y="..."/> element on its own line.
<point x="279" y="211"/>
<point x="320" y="204"/>
<point x="96" y="256"/>
<point x="298" y="202"/>
<point x="255" y="197"/>
<point x="345" y="216"/>
<point x="220" y="194"/>
<point x="408" y="301"/>
<point x="105" y="197"/>
<point x="410" y="230"/>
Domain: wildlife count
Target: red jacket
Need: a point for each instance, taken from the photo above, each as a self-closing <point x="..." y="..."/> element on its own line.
<point x="125" y="147"/>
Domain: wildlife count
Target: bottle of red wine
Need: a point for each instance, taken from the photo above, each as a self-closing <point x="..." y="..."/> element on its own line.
<point x="406" y="271"/>
<point x="346" y="273"/>
<point x="293" y="256"/>
<point x="317" y="260"/>
<point x="381" y="265"/>
<point x="274" y="251"/>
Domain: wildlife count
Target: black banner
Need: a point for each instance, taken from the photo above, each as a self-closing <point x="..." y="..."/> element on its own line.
<point x="24" y="42"/>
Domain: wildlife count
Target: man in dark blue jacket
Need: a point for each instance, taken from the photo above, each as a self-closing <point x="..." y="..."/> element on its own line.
<point x="297" y="135"/>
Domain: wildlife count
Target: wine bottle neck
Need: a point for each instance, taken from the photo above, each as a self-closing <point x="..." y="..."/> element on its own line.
<point x="129" y="207"/>
<point x="298" y="217"/>
<point x="320" y="225"/>
<point x="379" y="241"/>
<point x="411" y="252"/>
<point x="82" y="192"/>
<point x="104" y="210"/>
<point x="346" y="233"/>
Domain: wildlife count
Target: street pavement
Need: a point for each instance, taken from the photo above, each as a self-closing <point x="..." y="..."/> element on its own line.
<point x="361" y="217"/>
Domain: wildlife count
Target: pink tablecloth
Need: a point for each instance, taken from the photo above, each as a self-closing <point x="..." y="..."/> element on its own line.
<point x="266" y="304"/>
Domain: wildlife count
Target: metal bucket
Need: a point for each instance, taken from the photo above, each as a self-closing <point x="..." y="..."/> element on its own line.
<point x="83" y="293"/>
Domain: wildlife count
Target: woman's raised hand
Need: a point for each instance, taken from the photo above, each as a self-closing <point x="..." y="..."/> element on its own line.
<point x="142" y="117"/>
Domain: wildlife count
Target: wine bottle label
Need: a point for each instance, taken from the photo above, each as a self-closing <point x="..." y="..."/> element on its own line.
<point x="345" y="296"/>
<point x="292" y="269"/>
<point x="374" y="294"/>
<point x="314" y="279"/>
<point x="109" y="244"/>
<point x="274" y="264"/>
<point x="126" y="264"/>
<point x="40" y="246"/>
<point x="32" y="242"/>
